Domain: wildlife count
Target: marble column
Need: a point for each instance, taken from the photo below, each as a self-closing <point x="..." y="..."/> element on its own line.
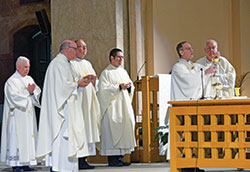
<point x="136" y="30"/>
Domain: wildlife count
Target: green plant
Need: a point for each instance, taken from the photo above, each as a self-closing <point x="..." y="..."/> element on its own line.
<point x="240" y="79"/>
<point x="161" y="135"/>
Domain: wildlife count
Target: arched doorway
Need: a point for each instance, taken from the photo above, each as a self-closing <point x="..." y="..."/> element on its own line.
<point x="23" y="45"/>
<point x="34" y="45"/>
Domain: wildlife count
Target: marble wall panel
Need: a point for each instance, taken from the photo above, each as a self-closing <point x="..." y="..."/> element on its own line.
<point x="92" y="20"/>
<point x="103" y="48"/>
<point x="84" y="16"/>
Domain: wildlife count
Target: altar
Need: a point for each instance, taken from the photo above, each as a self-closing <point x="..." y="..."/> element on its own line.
<point x="210" y="133"/>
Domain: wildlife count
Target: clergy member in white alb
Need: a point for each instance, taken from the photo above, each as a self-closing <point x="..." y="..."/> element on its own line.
<point x="19" y="129"/>
<point x="186" y="81"/>
<point x="115" y="92"/>
<point x="90" y="105"/>
<point x="222" y="69"/>
<point x="185" y="75"/>
<point x="61" y="136"/>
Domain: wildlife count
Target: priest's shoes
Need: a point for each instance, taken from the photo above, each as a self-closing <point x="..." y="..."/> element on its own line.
<point x="17" y="169"/>
<point x="192" y="170"/>
<point x="51" y="170"/>
<point x="113" y="161"/>
<point x="27" y="168"/>
<point x="115" y="164"/>
<point x="123" y="162"/>
<point x="119" y="164"/>
<point x="85" y="166"/>
<point x="126" y="163"/>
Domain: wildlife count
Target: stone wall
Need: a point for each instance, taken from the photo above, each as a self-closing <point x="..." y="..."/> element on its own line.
<point x="103" y="25"/>
<point x="14" y="17"/>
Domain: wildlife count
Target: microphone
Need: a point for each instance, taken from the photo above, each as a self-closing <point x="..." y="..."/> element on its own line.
<point x="140" y="70"/>
<point x="202" y="85"/>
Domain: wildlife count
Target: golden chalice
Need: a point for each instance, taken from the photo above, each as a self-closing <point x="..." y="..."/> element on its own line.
<point x="216" y="84"/>
<point x="237" y="91"/>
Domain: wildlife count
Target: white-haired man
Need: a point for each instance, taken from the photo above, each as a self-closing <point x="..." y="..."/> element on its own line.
<point x="223" y="70"/>
<point x="19" y="128"/>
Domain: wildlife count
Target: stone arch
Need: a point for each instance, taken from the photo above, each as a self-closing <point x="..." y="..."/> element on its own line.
<point x="17" y="27"/>
<point x="22" y="43"/>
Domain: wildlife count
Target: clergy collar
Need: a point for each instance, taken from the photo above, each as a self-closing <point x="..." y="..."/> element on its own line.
<point x="187" y="61"/>
<point x="19" y="75"/>
<point x="78" y="59"/>
<point x="208" y="61"/>
<point x="65" y="57"/>
<point x="114" y="66"/>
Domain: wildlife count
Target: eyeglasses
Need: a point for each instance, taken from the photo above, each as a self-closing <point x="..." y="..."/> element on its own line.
<point x="73" y="47"/>
<point x="121" y="57"/>
<point x="84" y="47"/>
<point x="211" y="48"/>
<point x="189" y="48"/>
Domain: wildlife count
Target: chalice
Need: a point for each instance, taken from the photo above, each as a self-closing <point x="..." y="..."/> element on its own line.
<point x="216" y="84"/>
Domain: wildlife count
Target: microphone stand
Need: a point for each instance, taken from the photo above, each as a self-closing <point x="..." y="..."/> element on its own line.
<point x="202" y="86"/>
<point x="137" y="80"/>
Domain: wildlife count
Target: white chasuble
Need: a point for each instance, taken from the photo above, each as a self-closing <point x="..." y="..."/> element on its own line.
<point x="89" y="103"/>
<point x="186" y="81"/>
<point x="226" y="74"/>
<point x="118" y="121"/>
<point x="60" y="92"/>
<point x="19" y="128"/>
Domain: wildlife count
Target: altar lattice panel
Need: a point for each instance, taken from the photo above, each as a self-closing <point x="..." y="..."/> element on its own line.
<point x="210" y="135"/>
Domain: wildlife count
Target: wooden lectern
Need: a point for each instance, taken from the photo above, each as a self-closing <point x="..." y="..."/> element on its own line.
<point x="146" y="122"/>
<point x="210" y="133"/>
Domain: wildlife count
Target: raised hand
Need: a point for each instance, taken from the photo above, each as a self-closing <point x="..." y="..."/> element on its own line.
<point x="31" y="88"/>
<point x="83" y="82"/>
<point x="212" y="69"/>
<point x="128" y="85"/>
<point x="91" y="78"/>
<point x="125" y="86"/>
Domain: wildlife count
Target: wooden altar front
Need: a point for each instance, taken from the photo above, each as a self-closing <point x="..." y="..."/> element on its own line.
<point x="210" y="133"/>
